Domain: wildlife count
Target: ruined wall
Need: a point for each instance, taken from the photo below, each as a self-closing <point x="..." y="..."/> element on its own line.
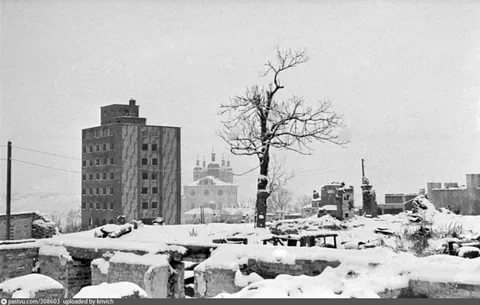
<point x="418" y="288"/>
<point x="457" y="199"/>
<point x="74" y="275"/>
<point x="270" y="270"/>
<point x="20" y="226"/>
<point x="157" y="281"/>
<point x="16" y="260"/>
<point x="213" y="281"/>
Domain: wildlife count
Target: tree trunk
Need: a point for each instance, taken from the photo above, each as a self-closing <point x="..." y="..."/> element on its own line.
<point x="262" y="193"/>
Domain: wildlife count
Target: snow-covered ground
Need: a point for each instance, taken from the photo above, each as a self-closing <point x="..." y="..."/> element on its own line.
<point x="392" y="254"/>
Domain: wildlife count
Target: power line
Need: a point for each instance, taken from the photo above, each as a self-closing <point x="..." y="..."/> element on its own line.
<point x="45" y="153"/>
<point x="249" y="171"/>
<point x="46" y="166"/>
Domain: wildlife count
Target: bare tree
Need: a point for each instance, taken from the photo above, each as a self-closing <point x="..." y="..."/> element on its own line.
<point x="278" y="176"/>
<point x="301" y="201"/>
<point x="257" y="121"/>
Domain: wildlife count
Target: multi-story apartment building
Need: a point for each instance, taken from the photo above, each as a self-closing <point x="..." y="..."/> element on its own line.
<point x="130" y="168"/>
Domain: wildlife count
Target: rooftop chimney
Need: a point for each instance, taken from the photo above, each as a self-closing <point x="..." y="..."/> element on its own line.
<point x="132" y="102"/>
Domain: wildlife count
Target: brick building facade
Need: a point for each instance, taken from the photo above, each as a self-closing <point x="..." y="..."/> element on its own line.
<point x="130" y="168"/>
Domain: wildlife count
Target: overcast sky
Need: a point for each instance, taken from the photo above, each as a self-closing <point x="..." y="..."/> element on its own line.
<point x="405" y="75"/>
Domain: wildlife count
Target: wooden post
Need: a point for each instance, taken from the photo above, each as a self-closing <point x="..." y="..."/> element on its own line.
<point x="9" y="188"/>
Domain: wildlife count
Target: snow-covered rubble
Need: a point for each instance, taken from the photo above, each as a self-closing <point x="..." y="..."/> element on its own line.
<point x="26" y="286"/>
<point x="111" y="291"/>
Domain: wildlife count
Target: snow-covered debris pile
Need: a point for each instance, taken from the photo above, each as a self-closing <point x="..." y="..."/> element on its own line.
<point x="370" y="273"/>
<point x="469" y="252"/>
<point x="113" y="231"/>
<point x="120" y="290"/>
<point x="297" y="226"/>
<point x="28" y="286"/>
<point x="43" y="227"/>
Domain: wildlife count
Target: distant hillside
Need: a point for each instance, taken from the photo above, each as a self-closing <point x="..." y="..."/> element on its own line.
<point x="55" y="204"/>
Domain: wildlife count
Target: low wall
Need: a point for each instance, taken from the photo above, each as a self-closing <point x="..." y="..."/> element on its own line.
<point x="72" y="273"/>
<point x="17" y="260"/>
<point x="211" y="282"/>
<point x="427" y="289"/>
<point x="153" y="273"/>
<point x="270" y="270"/>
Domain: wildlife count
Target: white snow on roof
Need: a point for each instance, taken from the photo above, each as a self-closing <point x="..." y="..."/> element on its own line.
<point x="20" y="245"/>
<point x="30" y="284"/>
<point x="133" y="259"/>
<point x="58" y="251"/>
<point x="110" y="291"/>
<point x="329" y="207"/>
<point x="198" y="211"/>
<point x="215" y="181"/>
<point x="73" y="240"/>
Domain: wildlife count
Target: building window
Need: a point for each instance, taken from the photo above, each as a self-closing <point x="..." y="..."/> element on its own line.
<point x="98" y="205"/>
<point x="144" y="161"/>
<point x="97" y="162"/>
<point x="91" y="205"/>
<point x="154" y="147"/>
<point x="97" y="176"/>
<point x="145" y="176"/>
<point x="144" y="190"/>
<point x="84" y="177"/>
<point x="111" y="145"/>
<point x="84" y="191"/>
<point x="104" y="221"/>
<point x="84" y="149"/>
<point x="104" y="176"/>
<point x="111" y="191"/>
<point x="91" y="162"/>
<point x="111" y="205"/>
<point x="111" y="160"/>
<point x="91" y="176"/>
<point x="97" y="191"/>
<point x="84" y="205"/>
<point x="154" y="176"/>
<point x="84" y="163"/>
<point x="90" y="191"/>
<point x="97" y="147"/>
<point x="206" y="192"/>
<point x="145" y="205"/>
<point x="111" y="221"/>
<point x="111" y="175"/>
<point x="154" y="190"/>
<point x="90" y="148"/>
<point x="104" y="190"/>
<point x="104" y="205"/>
<point x="154" y="204"/>
<point x="154" y="161"/>
<point x="144" y="146"/>
<point x="104" y="161"/>
<point x="104" y="146"/>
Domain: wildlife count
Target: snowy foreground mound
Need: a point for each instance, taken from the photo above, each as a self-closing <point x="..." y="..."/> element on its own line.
<point x="360" y="274"/>
<point x="111" y="291"/>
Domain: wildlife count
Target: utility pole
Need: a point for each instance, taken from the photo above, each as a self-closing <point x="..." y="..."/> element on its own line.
<point x="9" y="187"/>
<point x="363" y="168"/>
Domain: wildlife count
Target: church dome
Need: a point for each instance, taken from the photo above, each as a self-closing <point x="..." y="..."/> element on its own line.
<point x="213" y="165"/>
